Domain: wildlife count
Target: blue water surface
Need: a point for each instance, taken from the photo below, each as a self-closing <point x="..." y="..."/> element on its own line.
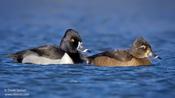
<point x="101" y="24"/>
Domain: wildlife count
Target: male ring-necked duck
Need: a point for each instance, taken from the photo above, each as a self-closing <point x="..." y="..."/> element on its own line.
<point x="137" y="55"/>
<point x="67" y="53"/>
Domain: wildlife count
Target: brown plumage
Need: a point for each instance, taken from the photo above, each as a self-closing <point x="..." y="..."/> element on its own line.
<point x="108" y="61"/>
<point x="137" y="55"/>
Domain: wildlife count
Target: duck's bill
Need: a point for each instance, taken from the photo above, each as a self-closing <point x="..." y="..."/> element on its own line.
<point x="155" y="56"/>
<point x="80" y="48"/>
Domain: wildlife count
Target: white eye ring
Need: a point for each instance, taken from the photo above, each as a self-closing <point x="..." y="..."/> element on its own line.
<point x="143" y="46"/>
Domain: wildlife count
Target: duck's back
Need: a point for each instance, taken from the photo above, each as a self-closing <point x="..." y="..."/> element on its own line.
<point x="48" y="51"/>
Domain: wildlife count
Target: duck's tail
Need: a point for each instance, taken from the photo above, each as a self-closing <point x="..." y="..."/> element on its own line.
<point x="15" y="56"/>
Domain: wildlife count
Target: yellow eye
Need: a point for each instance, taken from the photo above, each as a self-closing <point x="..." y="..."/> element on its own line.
<point x="72" y="40"/>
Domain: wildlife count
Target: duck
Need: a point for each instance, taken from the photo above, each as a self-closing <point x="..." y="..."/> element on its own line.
<point x="68" y="52"/>
<point x="138" y="54"/>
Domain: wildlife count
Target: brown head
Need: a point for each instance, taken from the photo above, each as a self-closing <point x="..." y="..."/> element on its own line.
<point x="142" y="49"/>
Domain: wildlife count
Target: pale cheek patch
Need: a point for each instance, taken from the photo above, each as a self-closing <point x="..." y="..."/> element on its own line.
<point x="148" y="53"/>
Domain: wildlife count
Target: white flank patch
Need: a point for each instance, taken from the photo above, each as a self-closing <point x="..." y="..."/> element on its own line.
<point x="35" y="59"/>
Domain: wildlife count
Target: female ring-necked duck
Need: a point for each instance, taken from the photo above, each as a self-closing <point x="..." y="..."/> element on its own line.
<point x="67" y="53"/>
<point x="137" y="55"/>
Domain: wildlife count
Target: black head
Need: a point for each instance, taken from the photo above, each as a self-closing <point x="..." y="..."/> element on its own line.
<point x="142" y="49"/>
<point x="71" y="42"/>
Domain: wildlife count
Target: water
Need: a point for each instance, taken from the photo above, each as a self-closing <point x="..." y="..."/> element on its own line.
<point x="102" y="24"/>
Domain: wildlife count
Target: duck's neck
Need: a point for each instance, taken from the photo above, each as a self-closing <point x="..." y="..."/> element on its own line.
<point x="63" y="47"/>
<point x="76" y="57"/>
<point x="131" y="52"/>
